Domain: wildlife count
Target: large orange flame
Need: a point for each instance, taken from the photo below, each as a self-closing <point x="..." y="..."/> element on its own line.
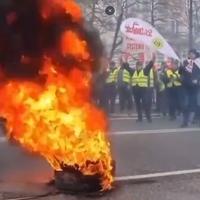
<point x="69" y="6"/>
<point x="57" y="119"/>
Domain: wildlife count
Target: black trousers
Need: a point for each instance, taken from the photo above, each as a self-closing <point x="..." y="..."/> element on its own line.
<point x="125" y="97"/>
<point x="175" y="101"/>
<point x="162" y="102"/>
<point x="149" y="96"/>
<point x="142" y="101"/>
<point x="110" y="97"/>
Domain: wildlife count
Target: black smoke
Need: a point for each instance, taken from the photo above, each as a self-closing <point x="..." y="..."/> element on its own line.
<point x="23" y="32"/>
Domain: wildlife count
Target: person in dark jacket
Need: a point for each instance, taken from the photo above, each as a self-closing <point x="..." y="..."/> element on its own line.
<point x="190" y="75"/>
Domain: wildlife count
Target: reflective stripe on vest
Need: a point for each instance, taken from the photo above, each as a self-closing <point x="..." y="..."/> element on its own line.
<point x="177" y="81"/>
<point x="139" y="79"/>
<point x="126" y="76"/>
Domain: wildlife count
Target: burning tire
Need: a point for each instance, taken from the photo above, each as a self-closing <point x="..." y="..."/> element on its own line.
<point x="47" y="60"/>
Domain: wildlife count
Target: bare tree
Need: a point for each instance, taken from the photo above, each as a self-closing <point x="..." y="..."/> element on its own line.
<point x="108" y="25"/>
<point x="157" y="11"/>
<point x="170" y="17"/>
<point x="196" y="20"/>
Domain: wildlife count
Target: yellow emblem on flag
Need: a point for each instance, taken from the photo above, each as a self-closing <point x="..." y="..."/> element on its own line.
<point x="158" y="43"/>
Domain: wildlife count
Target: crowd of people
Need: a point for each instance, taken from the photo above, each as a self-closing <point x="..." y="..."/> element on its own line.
<point x="174" y="89"/>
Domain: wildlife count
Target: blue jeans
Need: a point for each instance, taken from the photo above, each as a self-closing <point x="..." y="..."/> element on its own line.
<point x="190" y="103"/>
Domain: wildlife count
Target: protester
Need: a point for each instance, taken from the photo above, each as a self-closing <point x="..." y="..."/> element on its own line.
<point x="162" y="92"/>
<point x="178" y="88"/>
<point x="152" y="81"/>
<point x="124" y="87"/>
<point x="99" y="82"/>
<point x="174" y="89"/>
<point x="140" y="88"/>
<point x="110" y="87"/>
<point x="190" y="73"/>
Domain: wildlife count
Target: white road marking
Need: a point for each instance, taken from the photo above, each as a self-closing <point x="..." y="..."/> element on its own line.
<point x="129" y="118"/>
<point x="166" y="131"/>
<point x="122" y="115"/>
<point x="158" y="175"/>
<point x="131" y="115"/>
<point x="142" y="132"/>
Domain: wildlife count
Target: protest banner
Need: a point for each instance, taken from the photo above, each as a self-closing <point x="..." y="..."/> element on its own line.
<point x="134" y="50"/>
<point x="143" y="32"/>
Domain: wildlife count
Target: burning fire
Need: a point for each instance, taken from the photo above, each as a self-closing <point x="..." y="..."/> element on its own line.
<point x="52" y="114"/>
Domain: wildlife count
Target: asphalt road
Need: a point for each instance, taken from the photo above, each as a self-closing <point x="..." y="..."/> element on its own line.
<point x="138" y="148"/>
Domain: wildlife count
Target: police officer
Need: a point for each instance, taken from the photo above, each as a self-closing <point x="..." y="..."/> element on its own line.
<point x="124" y="87"/>
<point x="140" y="86"/>
<point x="174" y="89"/>
<point x="111" y="87"/>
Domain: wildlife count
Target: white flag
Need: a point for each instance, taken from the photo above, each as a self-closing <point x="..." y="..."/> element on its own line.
<point x="142" y="31"/>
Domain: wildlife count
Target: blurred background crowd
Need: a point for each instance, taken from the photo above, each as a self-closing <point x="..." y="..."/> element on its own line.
<point x="171" y="88"/>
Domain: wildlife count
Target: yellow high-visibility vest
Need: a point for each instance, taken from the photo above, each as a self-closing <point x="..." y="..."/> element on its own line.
<point x="126" y="76"/>
<point x="123" y="76"/>
<point x="174" y="78"/>
<point x="139" y="79"/>
<point x="112" y="77"/>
